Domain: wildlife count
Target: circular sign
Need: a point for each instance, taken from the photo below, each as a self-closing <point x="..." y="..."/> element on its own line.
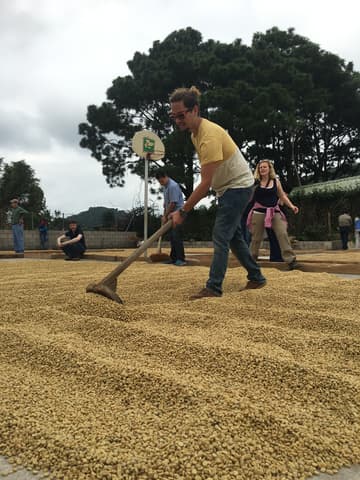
<point x="147" y="144"/>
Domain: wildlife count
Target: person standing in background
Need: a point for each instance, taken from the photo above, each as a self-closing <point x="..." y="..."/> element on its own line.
<point x="345" y="224"/>
<point x="357" y="232"/>
<point x="173" y="200"/>
<point x="43" y="232"/>
<point x="17" y="225"/>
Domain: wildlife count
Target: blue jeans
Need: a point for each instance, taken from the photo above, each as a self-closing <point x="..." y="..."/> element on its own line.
<point x="74" y="250"/>
<point x="43" y="239"/>
<point x="245" y="231"/>
<point x="18" y="237"/>
<point x="227" y="234"/>
<point x="275" y="250"/>
<point x="177" y="245"/>
<point x="344" y="234"/>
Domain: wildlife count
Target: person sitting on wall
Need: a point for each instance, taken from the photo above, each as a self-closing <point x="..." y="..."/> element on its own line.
<point x="72" y="242"/>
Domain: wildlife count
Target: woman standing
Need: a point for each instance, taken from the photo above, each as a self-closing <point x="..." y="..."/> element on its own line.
<point x="266" y="213"/>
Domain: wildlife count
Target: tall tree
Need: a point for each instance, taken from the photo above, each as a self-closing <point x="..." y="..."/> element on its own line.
<point x="140" y="101"/>
<point x="308" y="107"/>
<point x="282" y="98"/>
<point x="18" y="180"/>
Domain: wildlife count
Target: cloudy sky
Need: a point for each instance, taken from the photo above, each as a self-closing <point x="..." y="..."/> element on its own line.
<point x="59" y="56"/>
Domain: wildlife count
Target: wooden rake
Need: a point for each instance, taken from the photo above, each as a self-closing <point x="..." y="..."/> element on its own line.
<point x="107" y="286"/>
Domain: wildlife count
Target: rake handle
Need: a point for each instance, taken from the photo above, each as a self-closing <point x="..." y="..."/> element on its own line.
<point x="136" y="254"/>
<point x="159" y="245"/>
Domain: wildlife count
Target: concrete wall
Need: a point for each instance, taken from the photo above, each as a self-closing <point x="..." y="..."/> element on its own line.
<point x="298" y="245"/>
<point x="326" y="245"/>
<point x="102" y="240"/>
<point x="94" y="239"/>
<point x="309" y="245"/>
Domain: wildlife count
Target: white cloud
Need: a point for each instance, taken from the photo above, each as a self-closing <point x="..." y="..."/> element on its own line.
<point x="73" y="181"/>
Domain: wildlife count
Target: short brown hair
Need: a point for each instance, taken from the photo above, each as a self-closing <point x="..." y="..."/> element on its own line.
<point x="190" y="96"/>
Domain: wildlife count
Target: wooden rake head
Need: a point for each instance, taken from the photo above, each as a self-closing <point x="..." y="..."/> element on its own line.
<point x="106" y="290"/>
<point x="107" y="286"/>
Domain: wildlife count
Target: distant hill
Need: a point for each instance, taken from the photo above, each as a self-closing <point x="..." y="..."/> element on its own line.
<point x="102" y="217"/>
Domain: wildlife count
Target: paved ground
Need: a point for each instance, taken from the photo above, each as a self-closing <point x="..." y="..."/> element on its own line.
<point x="329" y="261"/>
<point x="22" y="474"/>
<point x="347" y="275"/>
<point x="6" y="471"/>
<point x="344" y="474"/>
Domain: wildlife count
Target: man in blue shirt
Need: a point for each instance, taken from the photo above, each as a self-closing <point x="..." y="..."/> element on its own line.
<point x="173" y="200"/>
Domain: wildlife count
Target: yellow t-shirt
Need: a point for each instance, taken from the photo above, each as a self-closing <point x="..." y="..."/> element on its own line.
<point x="214" y="144"/>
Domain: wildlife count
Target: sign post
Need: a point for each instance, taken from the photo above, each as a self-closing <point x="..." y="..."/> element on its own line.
<point x="148" y="146"/>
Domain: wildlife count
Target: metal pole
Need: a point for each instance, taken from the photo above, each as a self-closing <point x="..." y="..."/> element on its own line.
<point x="329" y="223"/>
<point x="146" y="176"/>
<point x="292" y="141"/>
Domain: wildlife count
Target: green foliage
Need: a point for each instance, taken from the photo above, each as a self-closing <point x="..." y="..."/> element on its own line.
<point x="318" y="215"/>
<point x="282" y="98"/>
<point x="108" y="220"/>
<point x="18" y="180"/>
<point x="97" y="218"/>
<point x="314" y="233"/>
<point x="332" y="190"/>
<point x="57" y="221"/>
<point x="301" y="117"/>
<point x="199" y="224"/>
<point x="136" y="223"/>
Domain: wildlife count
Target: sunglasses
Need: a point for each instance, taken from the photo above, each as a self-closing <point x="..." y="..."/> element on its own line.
<point x="180" y="115"/>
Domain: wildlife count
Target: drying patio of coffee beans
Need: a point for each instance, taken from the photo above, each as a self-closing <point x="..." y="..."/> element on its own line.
<point x="255" y="385"/>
